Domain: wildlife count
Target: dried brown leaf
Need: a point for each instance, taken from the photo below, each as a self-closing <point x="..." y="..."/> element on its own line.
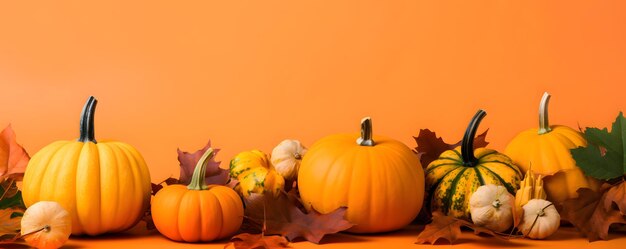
<point x="257" y="241"/>
<point x="9" y="223"/>
<point x="429" y="146"/>
<point x="449" y="228"/>
<point x="188" y="161"/>
<point x="592" y="213"/>
<point x="284" y="217"/>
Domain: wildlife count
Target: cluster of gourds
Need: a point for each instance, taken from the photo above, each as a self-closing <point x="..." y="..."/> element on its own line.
<point x="374" y="176"/>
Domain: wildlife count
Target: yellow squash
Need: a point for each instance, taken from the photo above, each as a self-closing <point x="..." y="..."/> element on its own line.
<point x="547" y="149"/>
<point x="104" y="185"/>
<point x="255" y="174"/>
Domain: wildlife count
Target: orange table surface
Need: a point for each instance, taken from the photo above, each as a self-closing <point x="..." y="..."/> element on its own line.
<point x="566" y="237"/>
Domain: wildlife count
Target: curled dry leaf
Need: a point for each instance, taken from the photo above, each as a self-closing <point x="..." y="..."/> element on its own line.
<point x="449" y="228"/>
<point x="284" y="217"/>
<point x="13" y="158"/>
<point x="257" y="241"/>
<point x="592" y="213"/>
<point x="10" y="219"/>
<point x="188" y="161"/>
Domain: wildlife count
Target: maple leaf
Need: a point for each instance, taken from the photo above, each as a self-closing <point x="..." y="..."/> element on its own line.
<point x="188" y="161"/>
<point x="592" y="213"/>
<point x="449" y="228"/>
<point x="13" y="158"/>
<point x="10" y="219"/>
<point x="429" y="146"/>
<point x="283" y="216"/>
<point x="10" y="195"/>
<point x="254" y="241"/>
<point x="605" y="155"/>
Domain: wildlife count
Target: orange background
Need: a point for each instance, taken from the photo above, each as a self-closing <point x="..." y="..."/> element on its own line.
<point x="247" y="74"/>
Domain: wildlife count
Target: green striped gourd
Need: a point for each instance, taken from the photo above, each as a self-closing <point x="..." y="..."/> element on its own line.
<point x="456" y="174"/>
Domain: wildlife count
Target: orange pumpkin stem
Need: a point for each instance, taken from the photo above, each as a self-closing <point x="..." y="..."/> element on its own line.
<point x="467" y="145"/>
<point x="87" y="133"/>
<point x="199" y="173"/>
<point x="366" y="133"/>
<point x="544" y="125"/>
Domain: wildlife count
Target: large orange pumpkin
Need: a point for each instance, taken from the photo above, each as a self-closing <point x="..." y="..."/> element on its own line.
<point x="197" y="212"/>
<point x="104" y="185"/>
<point x="379" y="179"/>
<point x="547" y="150"/>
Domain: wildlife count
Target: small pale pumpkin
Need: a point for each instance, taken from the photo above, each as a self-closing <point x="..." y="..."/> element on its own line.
<point x="456" y="174"/>
<point x="491" y="206"/>
<point x="547" y="149"/>
<point x="46" y="225"/>
<point x="379" y="179"/>
<point x="540" y="219"/>
<point x="286" y="158"/>
<point x="104" y="185"/>
<point x="197" y="212"/>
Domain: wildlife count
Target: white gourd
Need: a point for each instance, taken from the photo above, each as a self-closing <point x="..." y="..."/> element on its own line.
<point x="286" y="158"/>
<point x="491" y="207"/>
<point x="540" y="219"/>
<point x="46" y="225"/>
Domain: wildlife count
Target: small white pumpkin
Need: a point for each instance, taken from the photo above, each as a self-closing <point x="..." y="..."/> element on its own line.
<point x="286" y="158"/>
<point x="540" y="219"/>
<point x="46" y="225"/>
<point x="491" y="207"/>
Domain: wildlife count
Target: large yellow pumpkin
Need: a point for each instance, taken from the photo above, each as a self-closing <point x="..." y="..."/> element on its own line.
<point x="456" y="174"/>
<point x="379" y="179"/>
<point x="547" y="150"/>
<point x="197" y="212"/>
<point x="105" y="185"/>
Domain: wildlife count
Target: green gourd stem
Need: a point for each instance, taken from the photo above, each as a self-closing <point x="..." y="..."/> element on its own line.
<point x="366" y="133"/>
<point x="199" y="173"/>
<point x="467" y="145"/>
<point x="544" y="125"/>
<point x="87" y="129"/>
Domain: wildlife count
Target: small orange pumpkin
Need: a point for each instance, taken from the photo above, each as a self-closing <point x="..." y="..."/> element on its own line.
<point x="379" y="179"/>
<point x="197" y="212"/>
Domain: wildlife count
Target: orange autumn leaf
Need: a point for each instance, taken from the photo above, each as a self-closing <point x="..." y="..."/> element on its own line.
<point x="592" y="213"/>
<point x="449" y="228"/>
<point x="258" y="241"/>
<point x="9" y="223"/>
<point x="13" y="158"/>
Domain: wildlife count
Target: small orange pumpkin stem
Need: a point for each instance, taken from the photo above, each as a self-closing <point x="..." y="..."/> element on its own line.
<point x="87" y="133"/>
<point x="199" y="173"/>
<point x="366" y="133"/>
<point x="467" y="145"/>
<point x="544" y="125"/>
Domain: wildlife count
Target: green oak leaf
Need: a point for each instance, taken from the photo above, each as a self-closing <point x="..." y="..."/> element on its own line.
<point x="604" y="156"/>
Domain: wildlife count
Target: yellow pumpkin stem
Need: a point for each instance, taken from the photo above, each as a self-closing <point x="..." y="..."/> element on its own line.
<point x="199" y="173"/>
<point x="467" y="145"/>
<point x="366" y="133"/>
<point x="87" y="133"/>
<point x="544" y="125"/>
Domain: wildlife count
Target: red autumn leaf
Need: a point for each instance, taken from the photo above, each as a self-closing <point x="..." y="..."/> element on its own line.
<point x="13" y="158"/>
<point x="592" y="213"/>
<point x="188" y="161"/>
<point x="257" y="241"/>
<point x="449" y="228"/>
<point x="429" y="146"/>
<point x="284" y="217"/>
